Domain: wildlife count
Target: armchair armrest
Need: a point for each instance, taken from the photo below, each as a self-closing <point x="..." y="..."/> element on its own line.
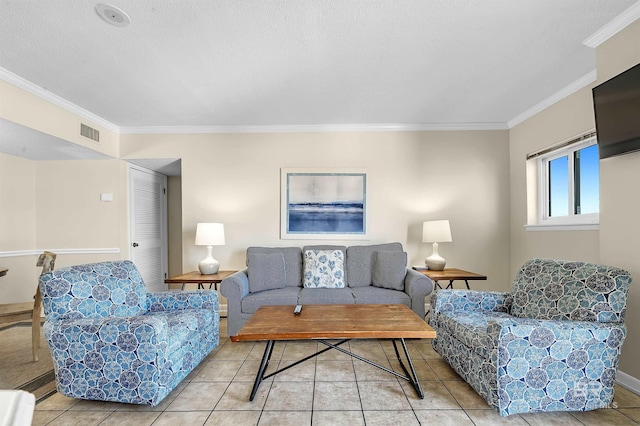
<point x="150" y="331"/>
<point x="470" y="300"/>
<point x="112" y="358"/>
<point x="553" y="360"/>
<point x="545" y="333"/>
<point x="186" y="299"/>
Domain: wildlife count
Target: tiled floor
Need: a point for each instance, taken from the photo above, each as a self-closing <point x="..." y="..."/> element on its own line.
<point x="332" y="389"/>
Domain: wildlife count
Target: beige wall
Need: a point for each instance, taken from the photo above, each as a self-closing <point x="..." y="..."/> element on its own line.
<point x="17" y="227"/>
<point x="412" y="177"/>
<point x="619" y="200"/>
<point x="617" y="241"/>
<point x="70" y="213"/>
<point x="56" y="205"/>
<point x="32" y="214"/>
<point x="567" y="118"/>
<point x="24" y="108"/>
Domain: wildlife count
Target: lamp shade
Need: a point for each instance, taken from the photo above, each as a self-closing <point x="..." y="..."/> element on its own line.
<point x="210" y="234"/>
<point x="436" y="231"/>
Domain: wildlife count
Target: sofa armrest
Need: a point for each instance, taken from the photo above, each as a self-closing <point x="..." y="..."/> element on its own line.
<point x="236" y="285"/>
<point x="186" y="299"/>
<point x="470" y="300"/>
<point x="417" y="286"/>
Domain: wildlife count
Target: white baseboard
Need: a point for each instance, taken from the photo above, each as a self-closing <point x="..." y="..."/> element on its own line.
<point x="628" y="382"/>
<point x="223" y="310"/>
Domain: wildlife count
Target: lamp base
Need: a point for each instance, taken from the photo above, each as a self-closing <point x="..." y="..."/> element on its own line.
<point x="435" y="262"/>
<point x="208" y="266"/>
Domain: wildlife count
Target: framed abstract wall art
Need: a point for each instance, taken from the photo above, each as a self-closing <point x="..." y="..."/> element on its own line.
<point x="323" y="204"/>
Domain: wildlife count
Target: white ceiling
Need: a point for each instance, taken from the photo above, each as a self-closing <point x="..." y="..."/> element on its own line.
<point x="261" y="64"/>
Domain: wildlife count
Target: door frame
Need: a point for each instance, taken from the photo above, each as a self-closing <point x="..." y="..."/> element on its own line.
<point x="164" y="240"/>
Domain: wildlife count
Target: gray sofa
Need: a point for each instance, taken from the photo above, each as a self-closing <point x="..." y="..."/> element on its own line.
<point x="373" y="274"/>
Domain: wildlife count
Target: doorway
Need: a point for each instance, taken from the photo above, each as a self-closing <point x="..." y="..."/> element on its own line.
<point x="148" y="232"/>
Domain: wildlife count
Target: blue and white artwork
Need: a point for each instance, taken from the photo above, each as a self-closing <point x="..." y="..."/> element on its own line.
<point x="324" y="205"/>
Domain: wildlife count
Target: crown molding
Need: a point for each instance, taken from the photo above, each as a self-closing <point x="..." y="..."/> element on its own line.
<point x="311" y="128"/>
<point x="614" y="26"/>
<point x="19" y="253"/>
<point x="46" y="95"/>
<point x="583" y="81"/>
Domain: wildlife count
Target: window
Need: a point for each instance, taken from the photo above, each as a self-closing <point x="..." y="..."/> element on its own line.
<point x="569" y="186"/>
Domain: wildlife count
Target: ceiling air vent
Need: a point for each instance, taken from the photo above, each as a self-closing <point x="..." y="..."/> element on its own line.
<point x="89" y="132"/>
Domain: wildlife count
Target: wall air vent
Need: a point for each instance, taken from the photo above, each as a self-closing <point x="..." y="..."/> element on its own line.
<point x="90" y="132"/>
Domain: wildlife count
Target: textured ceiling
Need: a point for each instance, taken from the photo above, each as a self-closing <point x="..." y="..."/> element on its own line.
<point x="304" y="62"/>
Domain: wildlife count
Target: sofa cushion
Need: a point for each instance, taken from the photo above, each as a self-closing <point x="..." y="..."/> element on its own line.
<point x="280" y="296"/>
<point x="389" y="269"/>
<point x="360" y="262"/>
<point x="343" y="249"/>
<point x="323" y="269"/>
<point x="266" y="271"/>
<point x="376" y="295"/>
<point x="325" y="296"/>
<point x="292" y="262"/>
<point x="326" y="247"/>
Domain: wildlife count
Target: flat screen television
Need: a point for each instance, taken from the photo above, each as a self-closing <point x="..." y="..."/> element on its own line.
<point x="616" y="103"/>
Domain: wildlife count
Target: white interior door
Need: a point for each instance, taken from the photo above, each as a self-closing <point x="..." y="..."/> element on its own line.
<point x="149" y="247"/>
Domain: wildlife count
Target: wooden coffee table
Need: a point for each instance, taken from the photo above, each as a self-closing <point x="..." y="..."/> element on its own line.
<point x="346" y="322"/>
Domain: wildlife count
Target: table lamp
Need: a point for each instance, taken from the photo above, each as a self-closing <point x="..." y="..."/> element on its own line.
<point x="209" y="234"/>
<point x="436" y="231"/>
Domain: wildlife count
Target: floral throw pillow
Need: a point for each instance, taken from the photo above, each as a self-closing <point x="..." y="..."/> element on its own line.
<point x="323" y="269"/>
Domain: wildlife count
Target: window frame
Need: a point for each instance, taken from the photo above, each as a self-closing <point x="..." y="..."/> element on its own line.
<point x="543" y="193"/>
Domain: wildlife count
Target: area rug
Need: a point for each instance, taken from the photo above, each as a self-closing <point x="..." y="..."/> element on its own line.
<point x="17" y="369"/>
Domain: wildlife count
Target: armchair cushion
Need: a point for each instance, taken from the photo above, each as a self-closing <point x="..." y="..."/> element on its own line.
<point x="470" y="327"/>
<point x="94" y="291"/>
<point x="552" y="289"/>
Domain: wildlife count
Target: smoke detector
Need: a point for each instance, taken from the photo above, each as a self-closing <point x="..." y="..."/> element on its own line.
<point x="113" y="15"/>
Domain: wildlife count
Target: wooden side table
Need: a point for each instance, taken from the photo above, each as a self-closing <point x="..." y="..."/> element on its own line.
<point x="195" y="277"/>
<point x="451" y="274"/>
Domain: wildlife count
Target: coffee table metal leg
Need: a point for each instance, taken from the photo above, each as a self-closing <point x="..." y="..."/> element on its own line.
<point x="263" y="367"/>
<point x="412" y="376"/>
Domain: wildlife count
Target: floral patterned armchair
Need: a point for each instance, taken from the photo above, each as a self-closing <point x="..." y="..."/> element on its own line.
<point x="551" y="344"/>
<point x="112" y="341"/>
